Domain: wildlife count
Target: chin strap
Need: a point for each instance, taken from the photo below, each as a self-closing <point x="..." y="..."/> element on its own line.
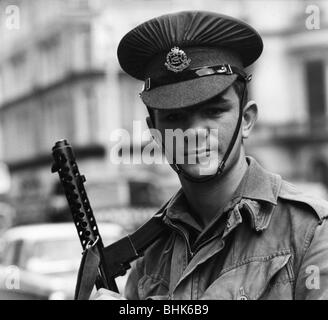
<point x="177" y="168"/>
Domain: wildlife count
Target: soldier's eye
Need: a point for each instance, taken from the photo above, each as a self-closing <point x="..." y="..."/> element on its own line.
<point x="213" y="111"/>
<point x="174" y="117"/>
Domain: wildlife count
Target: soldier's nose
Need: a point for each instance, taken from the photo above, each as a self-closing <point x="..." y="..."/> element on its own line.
<point x="195" y="121"/>
<point x="196" y="138"/>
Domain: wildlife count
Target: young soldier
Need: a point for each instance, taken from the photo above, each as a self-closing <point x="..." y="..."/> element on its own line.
<point x="236" y="231"/>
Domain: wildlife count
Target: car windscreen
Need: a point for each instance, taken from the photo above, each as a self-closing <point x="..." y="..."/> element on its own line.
<point x="55" y="255"/>
<point x="51" y="256"/>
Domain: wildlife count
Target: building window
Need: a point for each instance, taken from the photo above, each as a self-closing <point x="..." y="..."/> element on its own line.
<point x="84" y="4"/>
<point x="132" y="109"/>
<point x="18" y="80"/>
<point x="315" y="87"/>
<point x="81" y="50"/>
<point x="52" y="67"/>
<point x="2" y="98"/>
<point x="320" y="171"/>
<point x="92" y="112"/>
<point x="58" y="122"/>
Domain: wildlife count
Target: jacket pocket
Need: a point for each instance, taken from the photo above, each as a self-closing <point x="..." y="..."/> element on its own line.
<point x="153" y="287"/>
<point x="252" y="278"/>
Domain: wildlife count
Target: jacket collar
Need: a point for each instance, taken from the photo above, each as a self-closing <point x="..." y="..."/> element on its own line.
<point x="257" y="195"/>
<point x="261" y="185"/>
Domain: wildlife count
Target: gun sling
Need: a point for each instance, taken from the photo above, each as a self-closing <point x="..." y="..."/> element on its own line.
<point x="117" y="256"/>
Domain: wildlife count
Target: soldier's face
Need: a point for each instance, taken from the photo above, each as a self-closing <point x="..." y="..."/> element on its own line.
<point x="201" y="134"/>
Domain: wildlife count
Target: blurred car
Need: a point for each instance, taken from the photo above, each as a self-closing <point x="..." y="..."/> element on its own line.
<point x="7" y="214"/>
<point x="42" y="261"/>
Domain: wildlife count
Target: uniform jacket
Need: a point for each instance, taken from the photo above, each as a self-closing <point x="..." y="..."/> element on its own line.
<point x="271" y="242"/>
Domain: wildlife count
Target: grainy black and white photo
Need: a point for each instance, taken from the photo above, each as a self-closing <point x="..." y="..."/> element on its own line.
<point x="163" y="150"/>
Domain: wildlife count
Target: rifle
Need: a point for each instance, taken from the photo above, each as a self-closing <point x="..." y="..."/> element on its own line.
<point x="114" y="260"/>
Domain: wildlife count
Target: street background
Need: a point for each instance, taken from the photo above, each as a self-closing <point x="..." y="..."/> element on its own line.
<point x="60" y="78"/>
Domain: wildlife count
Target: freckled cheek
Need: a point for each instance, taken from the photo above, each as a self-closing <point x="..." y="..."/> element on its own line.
<point x="221" y="131"/>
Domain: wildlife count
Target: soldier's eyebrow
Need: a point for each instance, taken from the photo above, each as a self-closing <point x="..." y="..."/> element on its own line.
<point x="217" y="102"/>
<point x="219" y="99"/>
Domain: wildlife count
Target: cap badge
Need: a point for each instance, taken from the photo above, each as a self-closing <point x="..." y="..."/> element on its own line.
<point x="177" y="60"/>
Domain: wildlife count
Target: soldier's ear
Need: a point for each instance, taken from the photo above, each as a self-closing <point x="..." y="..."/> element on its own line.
<point x="250" y="113"/>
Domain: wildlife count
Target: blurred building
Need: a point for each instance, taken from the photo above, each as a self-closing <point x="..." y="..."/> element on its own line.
<point x="59" y="78"/>
<point x="290" y="86"/>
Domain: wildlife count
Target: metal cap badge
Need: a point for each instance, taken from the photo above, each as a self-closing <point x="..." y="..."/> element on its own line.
<point x="177" y="60"/>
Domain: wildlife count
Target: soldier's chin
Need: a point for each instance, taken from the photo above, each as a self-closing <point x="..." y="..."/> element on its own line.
<point x="201" y="170"/>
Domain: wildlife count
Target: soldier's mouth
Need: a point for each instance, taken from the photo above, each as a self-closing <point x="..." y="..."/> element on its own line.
<point x="198" y="152"/>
